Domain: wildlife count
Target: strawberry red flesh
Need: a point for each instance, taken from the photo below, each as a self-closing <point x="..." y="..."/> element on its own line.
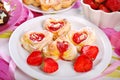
<point x="36" y="36"/>
<point x="104" y="8"/>
<point x="90" y="51"/>
<point x="91" y="3"/>
<point x="54" y="26"/>
<point x="62" y="46"/>
<point x="113" y="5"/>
<point x="35" y="58"/>
<point x="100" y="1"/>
<point x="83" y="64"/>
<point x="49" y="65"/>
<point x="79" y="37"/>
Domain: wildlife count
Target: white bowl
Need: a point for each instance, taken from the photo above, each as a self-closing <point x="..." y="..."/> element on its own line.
<point x="101" y="18"/>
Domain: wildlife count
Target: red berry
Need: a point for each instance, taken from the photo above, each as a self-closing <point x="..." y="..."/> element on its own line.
<point x="113" y="5"/>
<point x="83" y="64"/>
<point x="35" y="58"/>
<point x="90" y="51"/>
<point x="100" y="1"/>
<point x="91" y="3"/>
<point x="104" y="8"/>
<point x="49" y="65"/>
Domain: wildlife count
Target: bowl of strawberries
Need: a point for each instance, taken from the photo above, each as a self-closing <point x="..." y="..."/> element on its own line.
<point x="103" y="13"/>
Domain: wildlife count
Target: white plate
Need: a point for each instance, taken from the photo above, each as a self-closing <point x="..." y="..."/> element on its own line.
<point x="65" y="71"/>
<point x="36" y="9"/>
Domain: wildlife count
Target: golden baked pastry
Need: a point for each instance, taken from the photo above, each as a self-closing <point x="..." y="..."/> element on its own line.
<point x="28" y="2"/>
<point x="57" y="26"/>
<point x="32" y="40"/>
<point x="46" y="5"/>
<point x="60" y="48"/>
<point x="67" y="3"/>
<point x="51" y="51"/>
<point x="57" y="5"/>
<point x="85" y="36"/>
<point x="50" y="4"/>
<point x="36" y="3"/>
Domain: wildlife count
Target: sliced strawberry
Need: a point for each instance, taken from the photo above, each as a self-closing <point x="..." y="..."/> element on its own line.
<point x="49" y="65"/>
<point x="104" y="8"/>
<point x="83" y="64"/>
<point x="35" y="58"/>
<point x="100" y="1"/>
<point x="90" y="51"/>
<point x="91" y="3"/>
<point x="113" y="5"/>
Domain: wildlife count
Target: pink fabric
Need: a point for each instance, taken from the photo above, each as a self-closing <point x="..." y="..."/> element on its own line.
<point x="77" y="4"/>
<point x="7" y="67"/>
<point x="114" y="37"/>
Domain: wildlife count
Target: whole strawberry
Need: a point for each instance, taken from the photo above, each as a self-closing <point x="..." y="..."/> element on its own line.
<point x="113" y="5"/>
<point x="49" y="65"/>
<point x="83" y="64"/>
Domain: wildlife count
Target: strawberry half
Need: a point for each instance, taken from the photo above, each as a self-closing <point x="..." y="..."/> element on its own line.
<point x="49" y="65"/>
<point x="83" y="64"/>
<point x="90" y="51"/>
<point x="35" y="58"/>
